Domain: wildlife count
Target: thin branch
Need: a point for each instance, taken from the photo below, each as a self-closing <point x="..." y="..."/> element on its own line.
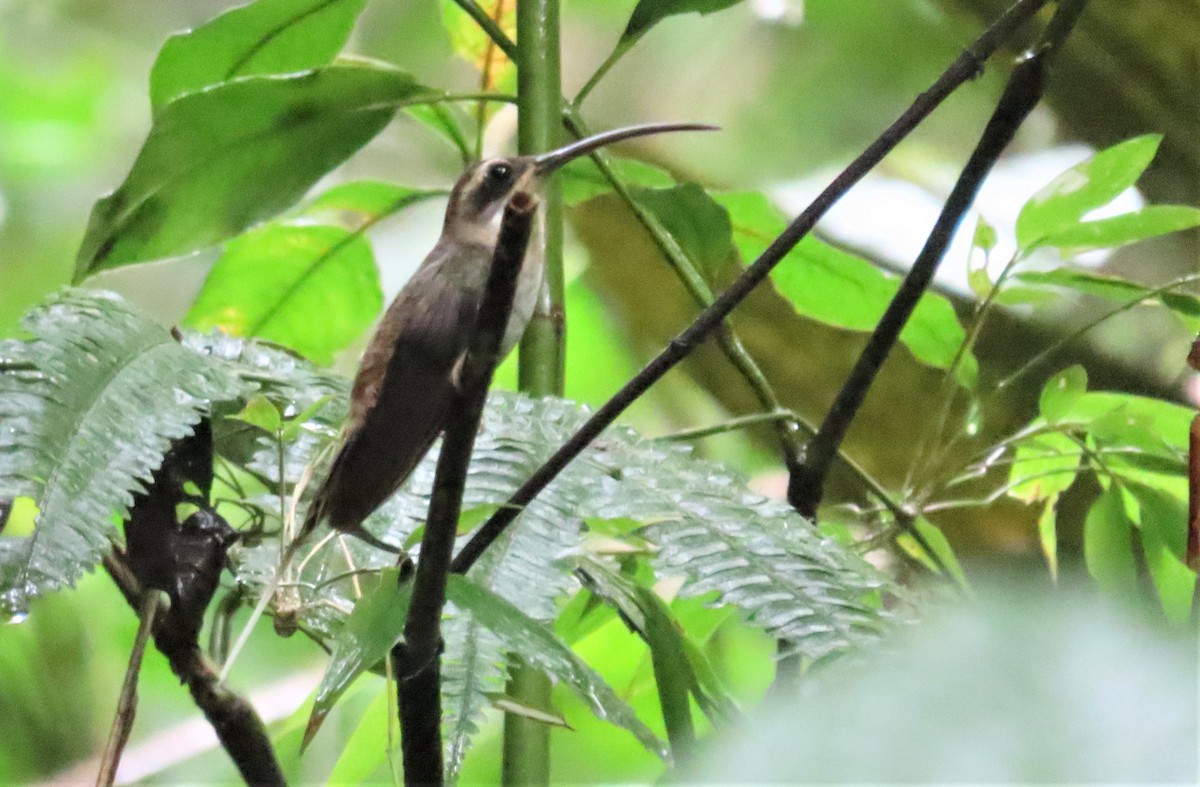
<point x="417" y="656"/>
<point x="967" y="66"/>
<point x="1021" y="94"/>
<point x="118" y="736"/>
<point x="234" y="720"/>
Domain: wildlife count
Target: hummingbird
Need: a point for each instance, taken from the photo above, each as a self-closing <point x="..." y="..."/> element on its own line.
<point x="411" y="368"/>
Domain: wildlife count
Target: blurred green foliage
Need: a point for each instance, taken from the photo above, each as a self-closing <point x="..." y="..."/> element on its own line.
<point x="220" y="159"/>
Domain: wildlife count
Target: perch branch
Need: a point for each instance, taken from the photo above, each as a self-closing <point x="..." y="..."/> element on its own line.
<point x="417" y="657"/>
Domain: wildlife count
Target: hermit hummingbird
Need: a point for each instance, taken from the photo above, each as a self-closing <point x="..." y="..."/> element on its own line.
<point x="410" y="370"/>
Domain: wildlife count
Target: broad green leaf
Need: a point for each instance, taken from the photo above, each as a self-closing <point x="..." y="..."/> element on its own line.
<point x="1061" y="392"/>
<point x="1186" y="307"/>
<point x="1117" y="231"/>
<point x="312" y="288"/>
<point x="827" y="284"/>
<point x="221" y="159"/>
<point x="648" y="13"/>
<point x="367" y="636"/>
<point x="1048" y="535"/>
<point x="441" y="119"/>
<point x="1083" y="188"/>
<point x="1162" y="514"/>
<point x="698" y="224"/>
<point x="366" y="750"/>
<point x="1044" y="465"/>
<point x="536" y="644"/>
<point x="1108" y="544"/>
<point x="263" y="37"/>
<point x="89" y="405"/>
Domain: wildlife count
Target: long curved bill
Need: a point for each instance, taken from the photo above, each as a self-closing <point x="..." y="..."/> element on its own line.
<point x="546" y="163"/>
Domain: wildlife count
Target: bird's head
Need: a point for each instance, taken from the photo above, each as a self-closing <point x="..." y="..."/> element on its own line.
<point x="478" y="199"/>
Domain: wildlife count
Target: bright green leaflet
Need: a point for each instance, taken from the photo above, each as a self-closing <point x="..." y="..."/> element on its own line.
<point x="1083" y="188"/>
<point x="368" y="634"/>
<point x="264" y="37"/>
<point x="1111" y="233"/>
<point x="1107" y="545"/>
<point x="1061" y="393"/>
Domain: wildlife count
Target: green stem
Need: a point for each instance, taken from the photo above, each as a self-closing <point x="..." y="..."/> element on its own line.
<point x="526" y="757"/>
<point x="489" y="26"/>
<point x="539" y="102"/>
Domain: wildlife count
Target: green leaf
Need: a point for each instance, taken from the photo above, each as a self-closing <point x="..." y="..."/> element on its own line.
<point x="309" y="287"/>
<point x="264" y="37"/>
<point x="1061" y="392"/>
<point x="261" y="413"/>
<point x="941" y="547"/>
<point x="1083" y="188"/>
<point x="1044" y="465"/>
<point x="648" y="13"/>
<point x="835" y="287"/>
<point x="1108" y="544"/>
<point x="1115" y="288"/>
<point x="984" y="238"/>
<point x="1174" y="582"/>
<point x="537" y="646"/>
<point x="678" y="664"/>
<point x="90" y="403"/>
<point x="368" y="635"/>
<point x="1117" y="231"/>
<point x="366" y="750"/>
<point x="221" y="159"/>
<point x="699" y="225"/>
<point x="1048" y="535"/>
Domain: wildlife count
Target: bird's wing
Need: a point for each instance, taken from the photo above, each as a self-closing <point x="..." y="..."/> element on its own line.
<point x="403" y="389"/>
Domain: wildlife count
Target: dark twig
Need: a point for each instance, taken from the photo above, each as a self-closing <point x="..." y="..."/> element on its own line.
<point x="965" y="67"/>
<point x="417" y="656"/>
<point x="185" y="560"/>
<point x="147" y="607"/>
<point x="1021" y="95"/>
<point x="237" y="725"/>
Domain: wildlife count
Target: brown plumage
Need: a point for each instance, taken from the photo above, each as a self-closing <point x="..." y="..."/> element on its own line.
<point x="409" y="371"/>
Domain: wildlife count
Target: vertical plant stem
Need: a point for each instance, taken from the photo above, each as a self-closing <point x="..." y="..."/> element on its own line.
<point x="539" y="104"/>
<point x="542" y="354"/>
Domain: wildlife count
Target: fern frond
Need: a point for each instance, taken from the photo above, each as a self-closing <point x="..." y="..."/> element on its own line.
<point x="89" y="405"/>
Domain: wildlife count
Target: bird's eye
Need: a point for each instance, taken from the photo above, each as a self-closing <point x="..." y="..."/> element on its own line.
<point x="500" y="172"/>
